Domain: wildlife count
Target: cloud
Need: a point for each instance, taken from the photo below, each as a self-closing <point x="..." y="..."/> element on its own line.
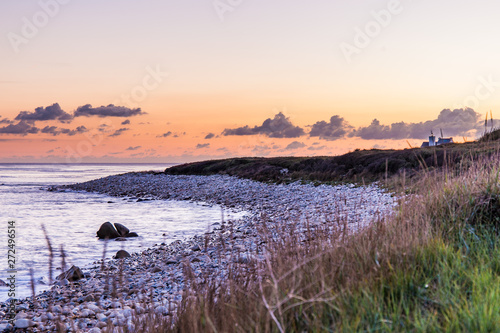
<point x="133" y="148"/>
<point x="6" y="121"/>
<point x="54" y="130"/>
<point x="53" y="112"/>
<point x="335" y="129"/>
<point x="317" y="147"/>
<point x="164" y="135"/>
<point x="79" y="129"/>
<point x="21" y="128"/>
<point x="209" y="136"/>
<point x="126" y="122"/>
<point x="458" y="122"/>
<point x="119" y="131"/>
<point x="201" y="146"/>
<point x="278" y="127"/>
<point x="295" y="145"/>
<point x="107" y="111"/>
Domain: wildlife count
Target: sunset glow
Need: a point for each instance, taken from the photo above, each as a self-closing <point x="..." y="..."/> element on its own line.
<point x="176" y="81"/>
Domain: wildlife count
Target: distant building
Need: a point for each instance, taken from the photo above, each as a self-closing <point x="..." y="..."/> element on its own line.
<point x="432" y="141"/>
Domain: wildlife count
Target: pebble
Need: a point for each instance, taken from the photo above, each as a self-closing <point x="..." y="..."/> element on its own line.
<point x="155" y="279"/>
<point x="23" y="323"/>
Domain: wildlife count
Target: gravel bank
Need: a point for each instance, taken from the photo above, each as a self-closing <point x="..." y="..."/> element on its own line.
<point x="156" y="278"/>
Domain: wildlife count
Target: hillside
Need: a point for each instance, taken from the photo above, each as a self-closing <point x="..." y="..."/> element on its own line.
<point x="357" y="166"/>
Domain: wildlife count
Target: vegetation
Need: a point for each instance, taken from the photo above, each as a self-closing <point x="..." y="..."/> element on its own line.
<point x="433" y="266"/>
<point x="358" y="166"/>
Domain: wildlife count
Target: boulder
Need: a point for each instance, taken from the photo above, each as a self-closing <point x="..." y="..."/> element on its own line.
<point x="122" y="230"/>
<point x="72" y="274"/>
<point x="131" y="234"/>
<point x="107" y="230"/>
<point x="122" y="254"/>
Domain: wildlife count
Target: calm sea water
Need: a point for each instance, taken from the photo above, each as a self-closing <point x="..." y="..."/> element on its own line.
<point x="72" y="218"/>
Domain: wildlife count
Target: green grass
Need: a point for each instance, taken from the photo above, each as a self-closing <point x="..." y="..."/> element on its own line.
<point x="433" y="267"/>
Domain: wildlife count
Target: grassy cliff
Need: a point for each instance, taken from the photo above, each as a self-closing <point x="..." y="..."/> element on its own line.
<point x="434" y="266"/>
<point x="357" y="166"/>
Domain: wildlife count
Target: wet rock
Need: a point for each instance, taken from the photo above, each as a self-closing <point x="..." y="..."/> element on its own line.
<point x="107" y="231"/>
<point x="122" y="230"/>
<point x="131" y="234"/>
<point x="72" y="274"/>
<point x="122" y="254"/>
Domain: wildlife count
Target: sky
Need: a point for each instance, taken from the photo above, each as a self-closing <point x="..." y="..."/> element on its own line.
<point x="179" y="81"/>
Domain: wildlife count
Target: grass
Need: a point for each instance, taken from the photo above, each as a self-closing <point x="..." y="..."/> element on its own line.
<point x="433" y="266"/>
<point x="359" y="166"/>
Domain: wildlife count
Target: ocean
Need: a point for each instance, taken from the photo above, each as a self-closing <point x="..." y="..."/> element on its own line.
<point x="73" y="218"/>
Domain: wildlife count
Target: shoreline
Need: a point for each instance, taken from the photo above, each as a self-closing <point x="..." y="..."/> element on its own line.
<point x="162" y="268"/>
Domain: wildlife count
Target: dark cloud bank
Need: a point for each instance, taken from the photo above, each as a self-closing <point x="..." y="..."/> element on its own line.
<point x="53" y="112"/>
<point x="107" y="111"/>
<point x="278" y="127"/>
<point x="337" y="128"/>
<point x="458" y="122"/>
<point x="26" y="119"/>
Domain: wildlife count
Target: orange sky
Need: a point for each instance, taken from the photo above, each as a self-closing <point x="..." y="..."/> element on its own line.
<point x="194" y="68"/>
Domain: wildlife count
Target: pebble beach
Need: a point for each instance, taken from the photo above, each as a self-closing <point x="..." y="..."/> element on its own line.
<point x="155" y="279"/>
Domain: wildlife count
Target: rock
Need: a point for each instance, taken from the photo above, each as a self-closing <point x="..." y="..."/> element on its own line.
<point x="5" y="326"/>
<point x="196" y="248"/>
<point x="120" y="239"/>
<point x="101" y="317"/>
<point x="131" y="234"/>
<point x="155" y="269"/>
<point x="72" y="274"/>
<point x="3" y="283"/>
<point x="89" y="298"/>
<point x="163" y="310"/>
<point x="63" y="282"/>
<point x="171" y="262"/>
<point x="23" y="323"/>
<point x="122" y="254"/>
<point x="107" y="231"/>
<point x="122" y="230"/>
